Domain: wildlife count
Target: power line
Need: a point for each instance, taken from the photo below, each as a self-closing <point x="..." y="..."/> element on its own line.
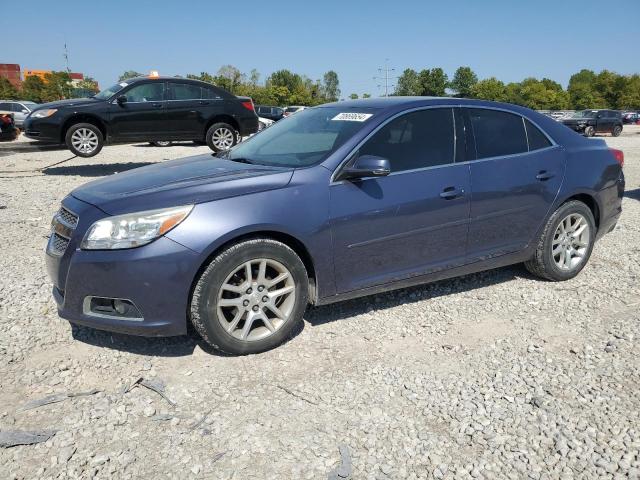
<point x="386" y="70"/>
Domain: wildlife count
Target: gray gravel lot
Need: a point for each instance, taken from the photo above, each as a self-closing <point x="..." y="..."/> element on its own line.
<point x="493" y="375"/>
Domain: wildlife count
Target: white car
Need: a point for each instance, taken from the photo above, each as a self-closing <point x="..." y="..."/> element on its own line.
<point x="293" y="109"/>
<point x="264" y="123"/>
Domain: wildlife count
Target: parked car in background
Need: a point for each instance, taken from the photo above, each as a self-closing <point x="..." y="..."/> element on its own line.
<point x="19" y="108"/>
<point x="145" y="109"/>
<point x="338" y="201"/>
<point x="8" y="130"/>
<point x="272" y="113"/>
<point x="590" y="122"/>
<point x="264" y="123"/>
<point x="293" y="109"/>
<point x="630" y="117"/>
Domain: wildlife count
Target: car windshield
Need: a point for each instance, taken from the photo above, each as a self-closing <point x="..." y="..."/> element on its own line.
<point x="304" y="139"/>
<point x="585" y="114"/>
<point x="111" y="91"/>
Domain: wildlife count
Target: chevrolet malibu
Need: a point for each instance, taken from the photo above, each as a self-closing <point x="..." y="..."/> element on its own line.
<point x="336" y="202"/>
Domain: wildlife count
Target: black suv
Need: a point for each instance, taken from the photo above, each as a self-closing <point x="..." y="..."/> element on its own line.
<point x="590" y="122"/>
<point x="145" y="109"/>
<point x="272" y="113"/>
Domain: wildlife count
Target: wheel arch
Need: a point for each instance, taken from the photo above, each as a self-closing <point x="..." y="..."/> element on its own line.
<point x="589" y="200"/>
<point x="287" y="239"/>
<point x="83" y="118"/>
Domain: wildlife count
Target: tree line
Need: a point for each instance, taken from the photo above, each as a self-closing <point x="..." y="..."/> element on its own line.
<point x="586" y="89"/>
<point x="55" y="86"/>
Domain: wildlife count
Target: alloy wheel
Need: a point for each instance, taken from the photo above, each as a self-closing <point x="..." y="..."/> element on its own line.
<point x="223" y="138"/>
<point x="84" y="140"/>
<point x="256" y="299"/>
<point x="570" y="242"/>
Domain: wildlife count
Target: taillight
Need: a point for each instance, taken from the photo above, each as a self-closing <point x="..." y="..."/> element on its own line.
<point x="618" y="155"/>
<point x="248" y="105"/>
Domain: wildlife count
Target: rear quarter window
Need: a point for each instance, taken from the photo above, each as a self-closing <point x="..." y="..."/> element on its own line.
<point x="537" y="139"/>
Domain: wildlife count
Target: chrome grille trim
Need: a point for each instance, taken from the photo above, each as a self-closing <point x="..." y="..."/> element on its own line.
<point x="63" y="224"/>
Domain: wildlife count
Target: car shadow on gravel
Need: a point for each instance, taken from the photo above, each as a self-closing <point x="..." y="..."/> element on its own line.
<point x="338" y="311"/>
<point x="180" y="346"/>
<point x="634" y="194"/>
<point x="94" y="170"/>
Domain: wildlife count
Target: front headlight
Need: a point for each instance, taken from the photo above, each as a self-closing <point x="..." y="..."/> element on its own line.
<point x="44" y="113"/>
<point x="133" y="229"/>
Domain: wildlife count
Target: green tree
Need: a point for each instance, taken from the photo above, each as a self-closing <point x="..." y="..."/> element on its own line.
<point x="408" y="83"/>
<point x="203" y="77"/>
<point x="490" y="89"/>
<point x="582" y="91"/>
<point x="433" y="82"/>
<point x="33" y="89"/>
<point x="57" y="86"/>
<point x="285" y="78"/>
<point x="463" y="81"/>
<point x="229" y="78"/>
<point x="353" y="96"/>
<point x="330" y="86"/>
<point x="366" y="95"/>
<point x="88" y="83"/>
<point x="129" y="74"/>
<point x="630" y="94"/>
<point x="7" y="90"/>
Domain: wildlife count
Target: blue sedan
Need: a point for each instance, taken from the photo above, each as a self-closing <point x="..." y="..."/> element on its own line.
<point x="338" y="201"/>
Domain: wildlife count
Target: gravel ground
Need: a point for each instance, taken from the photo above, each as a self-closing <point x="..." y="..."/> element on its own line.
<point x="493" y="375"/>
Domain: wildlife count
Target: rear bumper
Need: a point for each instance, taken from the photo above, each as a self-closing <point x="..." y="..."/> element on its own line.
<point x="156" y="277"/>
<point x="248" y="125"/>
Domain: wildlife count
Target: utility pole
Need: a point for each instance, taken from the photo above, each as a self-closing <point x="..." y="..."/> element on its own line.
<point x="386" y="70"/>
<point x="66" y="57"/>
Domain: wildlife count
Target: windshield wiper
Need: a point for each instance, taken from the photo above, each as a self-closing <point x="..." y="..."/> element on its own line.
<point x="239" y="160"/>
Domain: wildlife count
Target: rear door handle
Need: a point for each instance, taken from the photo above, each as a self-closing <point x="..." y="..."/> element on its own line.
<point x="450" y="193"/>
<point x="543" y="175"/>
<point x="157" y="105"/>
<point x="203" y="103"/>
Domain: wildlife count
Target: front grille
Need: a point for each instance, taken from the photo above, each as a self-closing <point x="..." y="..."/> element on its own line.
<point x="62" y="226"/>
<point x="71" y="219"/>
<point x="57" y="244"/>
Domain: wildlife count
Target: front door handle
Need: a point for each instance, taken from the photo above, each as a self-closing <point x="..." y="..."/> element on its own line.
<point x="203" y="102"/>
<point x="157" y="105"/>
<point x="543" y="175"/>
<point x="450" y="193"/>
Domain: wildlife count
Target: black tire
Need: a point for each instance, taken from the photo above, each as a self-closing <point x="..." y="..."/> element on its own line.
<point x="80" y="152"/>
<point x="543" y="264"/>
<point x="220" y="129"/>
<point x="589" y="131"/>
<point x="617" y="130"/>
<point x="204" y="309"/>
<point x="162" y="143"/>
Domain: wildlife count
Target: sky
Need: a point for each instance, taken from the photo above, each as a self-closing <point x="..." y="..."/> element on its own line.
<point x="508" y="39"/>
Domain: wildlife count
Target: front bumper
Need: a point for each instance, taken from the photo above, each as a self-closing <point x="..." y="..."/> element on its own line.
<point x="156" y="277"/>
<point x="43" y="129"/>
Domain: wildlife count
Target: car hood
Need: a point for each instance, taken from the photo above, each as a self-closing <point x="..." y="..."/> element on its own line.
<point x="186" y="181"/>
<point x="71" y="102"/>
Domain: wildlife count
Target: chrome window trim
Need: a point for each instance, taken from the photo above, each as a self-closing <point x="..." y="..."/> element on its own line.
<point x="499" y="157"/>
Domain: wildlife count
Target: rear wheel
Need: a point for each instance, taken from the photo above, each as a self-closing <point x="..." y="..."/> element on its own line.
<point x="84" y="139"/>
<point x="251" y="297"/>
<point x="221" y="136"/>
<point x="161" y="143"/>
<point x="566" y="243"/>
<point x="617" y="130"/>
<point x="589" y="131"/>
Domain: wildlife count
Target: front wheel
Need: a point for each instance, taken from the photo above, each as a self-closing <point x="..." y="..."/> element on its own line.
<point x="161" y="143"/>
<point x="251" y="297"/>
<point x="566" y="243"/>
<point x="617" y="130"/>
<point x="84" y="139"/>
<point x="221" y="136"/>
<point x="589" y="131"/>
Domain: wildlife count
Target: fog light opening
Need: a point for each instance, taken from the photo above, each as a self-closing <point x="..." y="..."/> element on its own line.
<point x="114" y="308"/>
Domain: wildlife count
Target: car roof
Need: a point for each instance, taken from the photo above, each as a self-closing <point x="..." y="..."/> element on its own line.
<point x="167" y="78"/>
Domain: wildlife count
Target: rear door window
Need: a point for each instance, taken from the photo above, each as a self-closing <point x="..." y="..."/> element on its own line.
<point x="185" y="91"/>
<point x="415" y="140"/>
<point x="536" y="138"/>
<point x="497" y="133"/>
<point x="209" y="94"/>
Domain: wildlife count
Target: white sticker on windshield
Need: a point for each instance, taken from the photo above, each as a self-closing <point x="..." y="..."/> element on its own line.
<point x="123" y="84"/>
<point x="352" y="117"/>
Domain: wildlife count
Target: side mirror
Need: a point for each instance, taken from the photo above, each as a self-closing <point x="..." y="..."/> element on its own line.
<point x="24" y="110"/>
<point x="366" y="166"/>
<point x="121" y="99"/>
